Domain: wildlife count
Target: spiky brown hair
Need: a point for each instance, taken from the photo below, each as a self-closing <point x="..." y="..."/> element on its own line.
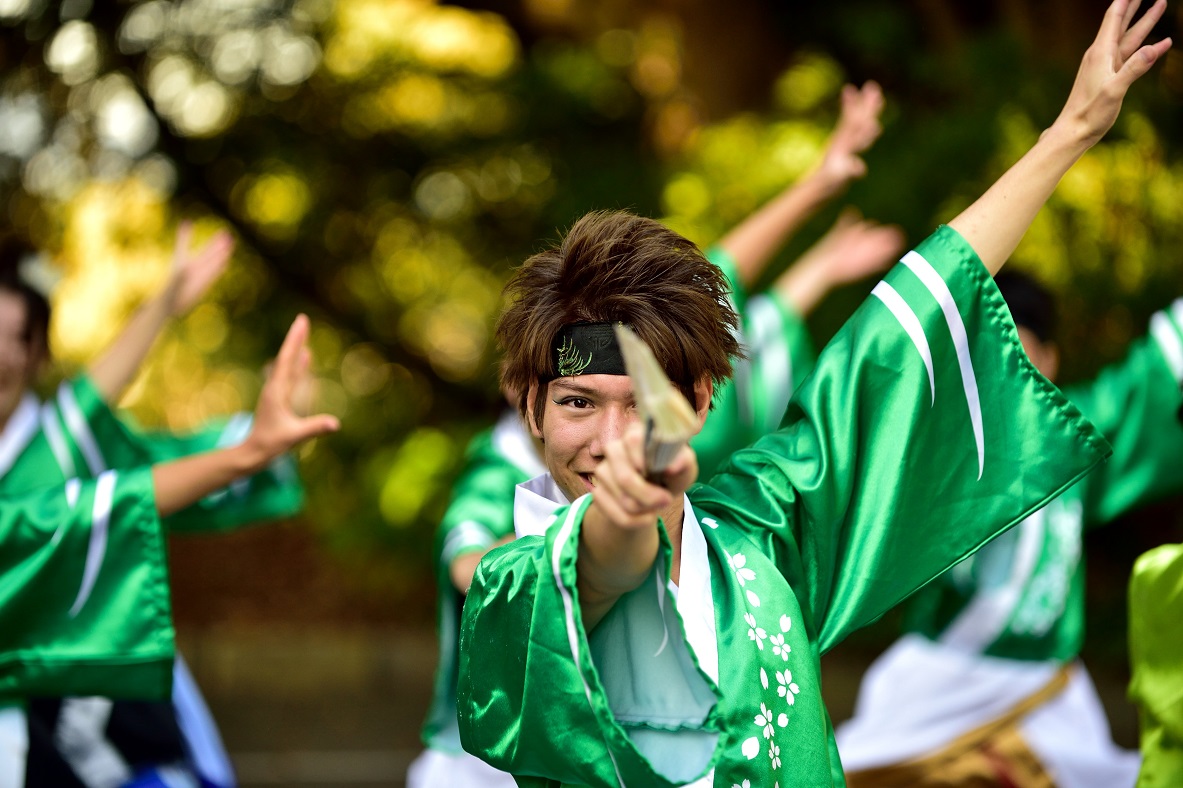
<point x="616" y="266"/>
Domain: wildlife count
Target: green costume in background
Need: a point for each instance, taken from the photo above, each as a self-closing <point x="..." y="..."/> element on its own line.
<point x="84" y="602"/>
<point x="1156" y="660"/>
<point x="780" y="354"/>
<point x="998" y="627"/>
<point x="923" y="432"/>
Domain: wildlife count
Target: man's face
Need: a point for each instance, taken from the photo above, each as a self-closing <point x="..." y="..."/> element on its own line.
<point x="581" y="415"/>
<point x="18" y="362"/>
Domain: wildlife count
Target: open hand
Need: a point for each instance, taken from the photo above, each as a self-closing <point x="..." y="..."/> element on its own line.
<point x="278" y="425"/>
<point x="1114" y="61"/>
<point x="855" y="248"/>
<point x="858" y="128"/>
<point x="195" y="271"/>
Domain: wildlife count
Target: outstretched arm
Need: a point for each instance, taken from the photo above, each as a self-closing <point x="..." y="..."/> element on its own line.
<point x="996" y="222"/>
<point x="192" y="275"/>
<point x="277" y="428"/>
<point x="852" y="249"/>
<point x="754" y="242"/>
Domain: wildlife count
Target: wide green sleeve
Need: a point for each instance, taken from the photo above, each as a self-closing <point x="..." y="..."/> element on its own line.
<point x="84" y="600"/>
<point x="1135" y="403"/>
<point x="779" y="355"/>
<point x="534" y="688"/>
<point x="98" y="439"/>
<point x="1156" y="683"/>
<point x="923" y="432"/>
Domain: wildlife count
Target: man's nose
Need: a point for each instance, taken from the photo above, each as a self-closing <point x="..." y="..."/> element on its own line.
<point x="614" y="421"/>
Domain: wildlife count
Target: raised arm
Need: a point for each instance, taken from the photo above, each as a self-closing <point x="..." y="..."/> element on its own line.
<point x="852" y="249"/>
<point x="277" y="428"/>
<point x="996" y="222"/>
<point x="192" y="275"/>
<point x="754" y="242"/>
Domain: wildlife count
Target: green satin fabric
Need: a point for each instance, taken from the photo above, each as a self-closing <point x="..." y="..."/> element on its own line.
<point x="1156" y="662"/>
<point x="120" y="642"/>
<point x="274" y="493"/>
<point x="869" y="491"/>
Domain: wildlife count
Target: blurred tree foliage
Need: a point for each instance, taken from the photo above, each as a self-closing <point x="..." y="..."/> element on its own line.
<point x="384" y="163"/>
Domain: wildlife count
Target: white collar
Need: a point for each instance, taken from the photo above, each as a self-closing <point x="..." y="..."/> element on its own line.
<point x="534" y="505"/>
<point x="21" y="427"/>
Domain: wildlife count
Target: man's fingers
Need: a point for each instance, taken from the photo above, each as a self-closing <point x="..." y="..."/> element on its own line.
<point x="1132" y="40"/>
<point x="1141" y="62"/>
<point x="315" y="426"/>
<point x="183" y="239"/>
<point x="286" y="361"/>
<point x="1117" y="19"/>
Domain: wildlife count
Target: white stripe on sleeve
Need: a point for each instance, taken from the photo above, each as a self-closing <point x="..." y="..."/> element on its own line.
<point x="1167" y="339"/>
<point x="57" y="441"/>
<point x="80" y="430"/>
<point x="104" y="496"/>
<point x="940" y="291"/>
<point x="907" y="318"/>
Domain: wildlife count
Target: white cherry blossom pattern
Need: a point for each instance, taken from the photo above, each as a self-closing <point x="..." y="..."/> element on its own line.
<point x="763" y="678"/>
<point x="751" y="748"/>
<point x="738" y="564"/>
<point x="744" y="784"/>
<point x="786" y="687"/>
<point x="753" y="600"/>
<point x="709" y="522"/>
<point x="764" y="719"/>
<point x="754" y="632"/>
<point x="783" y="720"/>
<point x="786" y="623"/>
<point x="780" y="647"/>
<point x="774" y="754"/>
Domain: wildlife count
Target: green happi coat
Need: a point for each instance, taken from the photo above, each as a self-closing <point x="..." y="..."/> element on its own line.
<point x="923" y="432"/>
<point x="1022" y="596"/>
<point x="84" y="604"/>
<point x="480" y="514"/>
<point x="111" y="562"/>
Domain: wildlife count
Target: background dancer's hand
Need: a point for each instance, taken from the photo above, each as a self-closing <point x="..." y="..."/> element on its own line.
<point x="195" y="271"/>
<point x="858" y="128"/>
<point x="277" y="428"/>
<point x="279" y="421"/>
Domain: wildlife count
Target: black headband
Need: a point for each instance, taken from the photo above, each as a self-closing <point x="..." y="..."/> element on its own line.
<point x="586" y="349"/>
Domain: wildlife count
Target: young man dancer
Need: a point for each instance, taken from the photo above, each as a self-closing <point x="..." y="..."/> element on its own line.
<point x="779" y="356"/>
<point x="666" y="635"/>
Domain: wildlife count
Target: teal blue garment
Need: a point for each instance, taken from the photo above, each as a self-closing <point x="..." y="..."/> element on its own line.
<point x="922" y="433"/>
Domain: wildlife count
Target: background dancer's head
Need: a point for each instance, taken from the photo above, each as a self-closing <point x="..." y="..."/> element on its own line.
<point x="1033" y="308"/>
<point x="24" y="327"/>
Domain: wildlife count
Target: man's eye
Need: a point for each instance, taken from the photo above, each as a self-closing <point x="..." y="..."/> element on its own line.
<point x="575" y="402"/>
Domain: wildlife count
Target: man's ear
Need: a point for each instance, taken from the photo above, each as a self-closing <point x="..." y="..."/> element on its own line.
<point x="704" y="389"/>
<point x="531" y="399"/>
